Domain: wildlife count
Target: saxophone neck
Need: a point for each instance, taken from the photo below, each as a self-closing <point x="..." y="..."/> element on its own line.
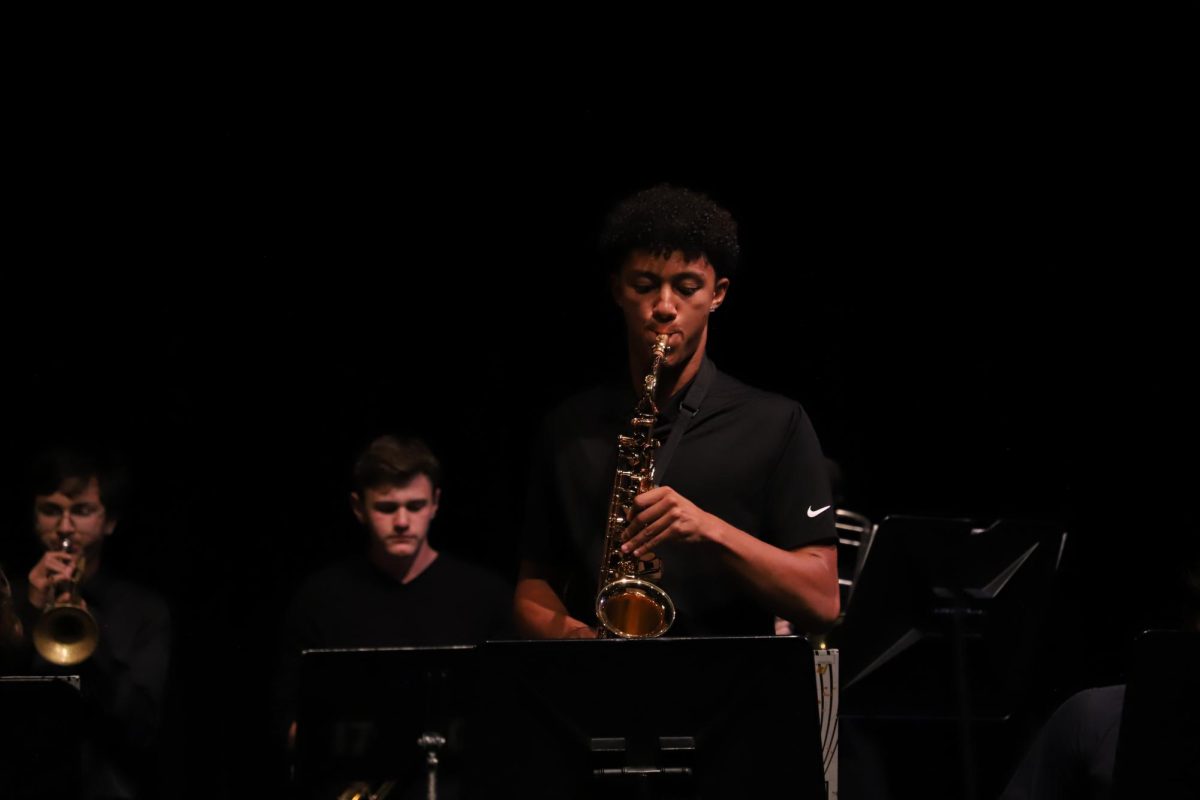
<point x="648" y="403"/>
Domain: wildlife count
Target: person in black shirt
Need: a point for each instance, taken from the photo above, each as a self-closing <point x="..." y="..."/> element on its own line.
<point x="1075" y="752"/>
<point x="742" y="518"/>
<point x="400" y="591"/>
<point x="78" y="498"/>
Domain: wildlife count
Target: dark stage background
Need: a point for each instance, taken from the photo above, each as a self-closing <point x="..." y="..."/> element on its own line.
<point x="241" y="282"/>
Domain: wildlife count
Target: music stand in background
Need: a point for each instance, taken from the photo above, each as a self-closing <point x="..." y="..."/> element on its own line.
<point x="41" y="738"/>
<point x="944" y="622"/>
<point x="1158" y="747"/>
<point x="363" y="712"/>
<point x="662" y="718"/>
<point x="936" y="594"/>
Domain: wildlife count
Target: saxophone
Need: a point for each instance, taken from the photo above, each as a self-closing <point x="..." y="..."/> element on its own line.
<point x="629" y="604"/>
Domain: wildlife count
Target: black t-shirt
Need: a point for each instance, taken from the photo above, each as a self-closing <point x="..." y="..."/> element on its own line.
<point x="749" y="457"/>
<point x="352" y="603"/>
<point x="1073" y="755"/>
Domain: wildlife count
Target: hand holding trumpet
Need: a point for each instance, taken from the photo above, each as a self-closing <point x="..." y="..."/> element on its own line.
<point x="67" y="632"/>
<point x="51" y="576"/>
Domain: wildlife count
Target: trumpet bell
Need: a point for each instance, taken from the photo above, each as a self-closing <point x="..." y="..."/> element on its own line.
<point x="66" y="635"/>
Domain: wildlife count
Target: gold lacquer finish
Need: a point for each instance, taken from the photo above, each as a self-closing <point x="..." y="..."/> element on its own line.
<point x="362" y="791"/>
<point x="67" y="633"/>
<point x="635" y="612"/>
<point x="10" y="623"/>
<point x="630" y="605"/>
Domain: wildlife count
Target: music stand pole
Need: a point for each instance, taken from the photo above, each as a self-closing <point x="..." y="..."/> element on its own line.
<point x="963" y="699"/>
<point x="430" y="742"/>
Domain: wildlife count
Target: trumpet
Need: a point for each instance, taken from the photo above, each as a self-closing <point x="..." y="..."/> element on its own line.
<point x="67" y="633"/>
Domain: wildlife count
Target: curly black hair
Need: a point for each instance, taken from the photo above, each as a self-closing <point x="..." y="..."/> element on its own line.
<point x="665" y="218"/>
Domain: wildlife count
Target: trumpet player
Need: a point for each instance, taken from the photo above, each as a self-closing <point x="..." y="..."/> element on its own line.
<point x="77" y="499"/>
<point x="741" y="519"/>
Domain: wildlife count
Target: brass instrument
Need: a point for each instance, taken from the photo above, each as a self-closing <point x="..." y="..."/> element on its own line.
<point x="10" y="623"/>
<point x="629" y="604"/>
<point x="67" y="633"/>
<point x="429" y="742"/>
<point x="360" y="790"/>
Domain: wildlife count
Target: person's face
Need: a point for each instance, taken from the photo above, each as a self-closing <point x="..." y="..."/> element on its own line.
<point x="397" y="517"/>
<point x="668" y="295"/>
<point x="80" y="516"/>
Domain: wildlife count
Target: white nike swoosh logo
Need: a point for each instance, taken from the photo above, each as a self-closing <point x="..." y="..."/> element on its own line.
<point x="816" y="513"/>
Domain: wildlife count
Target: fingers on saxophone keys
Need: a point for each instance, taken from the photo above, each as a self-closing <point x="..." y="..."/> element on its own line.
<point x="636" y="539"/>
<point x="640" y="545"/>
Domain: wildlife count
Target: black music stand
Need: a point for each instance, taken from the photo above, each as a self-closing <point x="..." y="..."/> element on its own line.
<point x="1158" y="747"/>
<point x="41" y="737"/>
<point x="941" y="601"/>
<point x="662" y="718"/>
<point x="361" y="713"/>
<point x="940" y="639"/>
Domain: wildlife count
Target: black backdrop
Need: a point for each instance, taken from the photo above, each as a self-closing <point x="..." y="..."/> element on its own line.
<point x="242" y="279"/>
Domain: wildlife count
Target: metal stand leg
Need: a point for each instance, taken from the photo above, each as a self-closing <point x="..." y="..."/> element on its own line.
<point x="430" y="742"/>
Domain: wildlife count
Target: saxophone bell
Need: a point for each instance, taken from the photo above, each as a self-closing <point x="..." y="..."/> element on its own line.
<point x="631" y="608"/>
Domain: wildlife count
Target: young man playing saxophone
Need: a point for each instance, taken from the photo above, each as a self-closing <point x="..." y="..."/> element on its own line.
<point x="741" y="518"/>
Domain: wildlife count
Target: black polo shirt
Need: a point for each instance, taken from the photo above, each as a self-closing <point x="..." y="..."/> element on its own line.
<point x="749" y="457"/>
